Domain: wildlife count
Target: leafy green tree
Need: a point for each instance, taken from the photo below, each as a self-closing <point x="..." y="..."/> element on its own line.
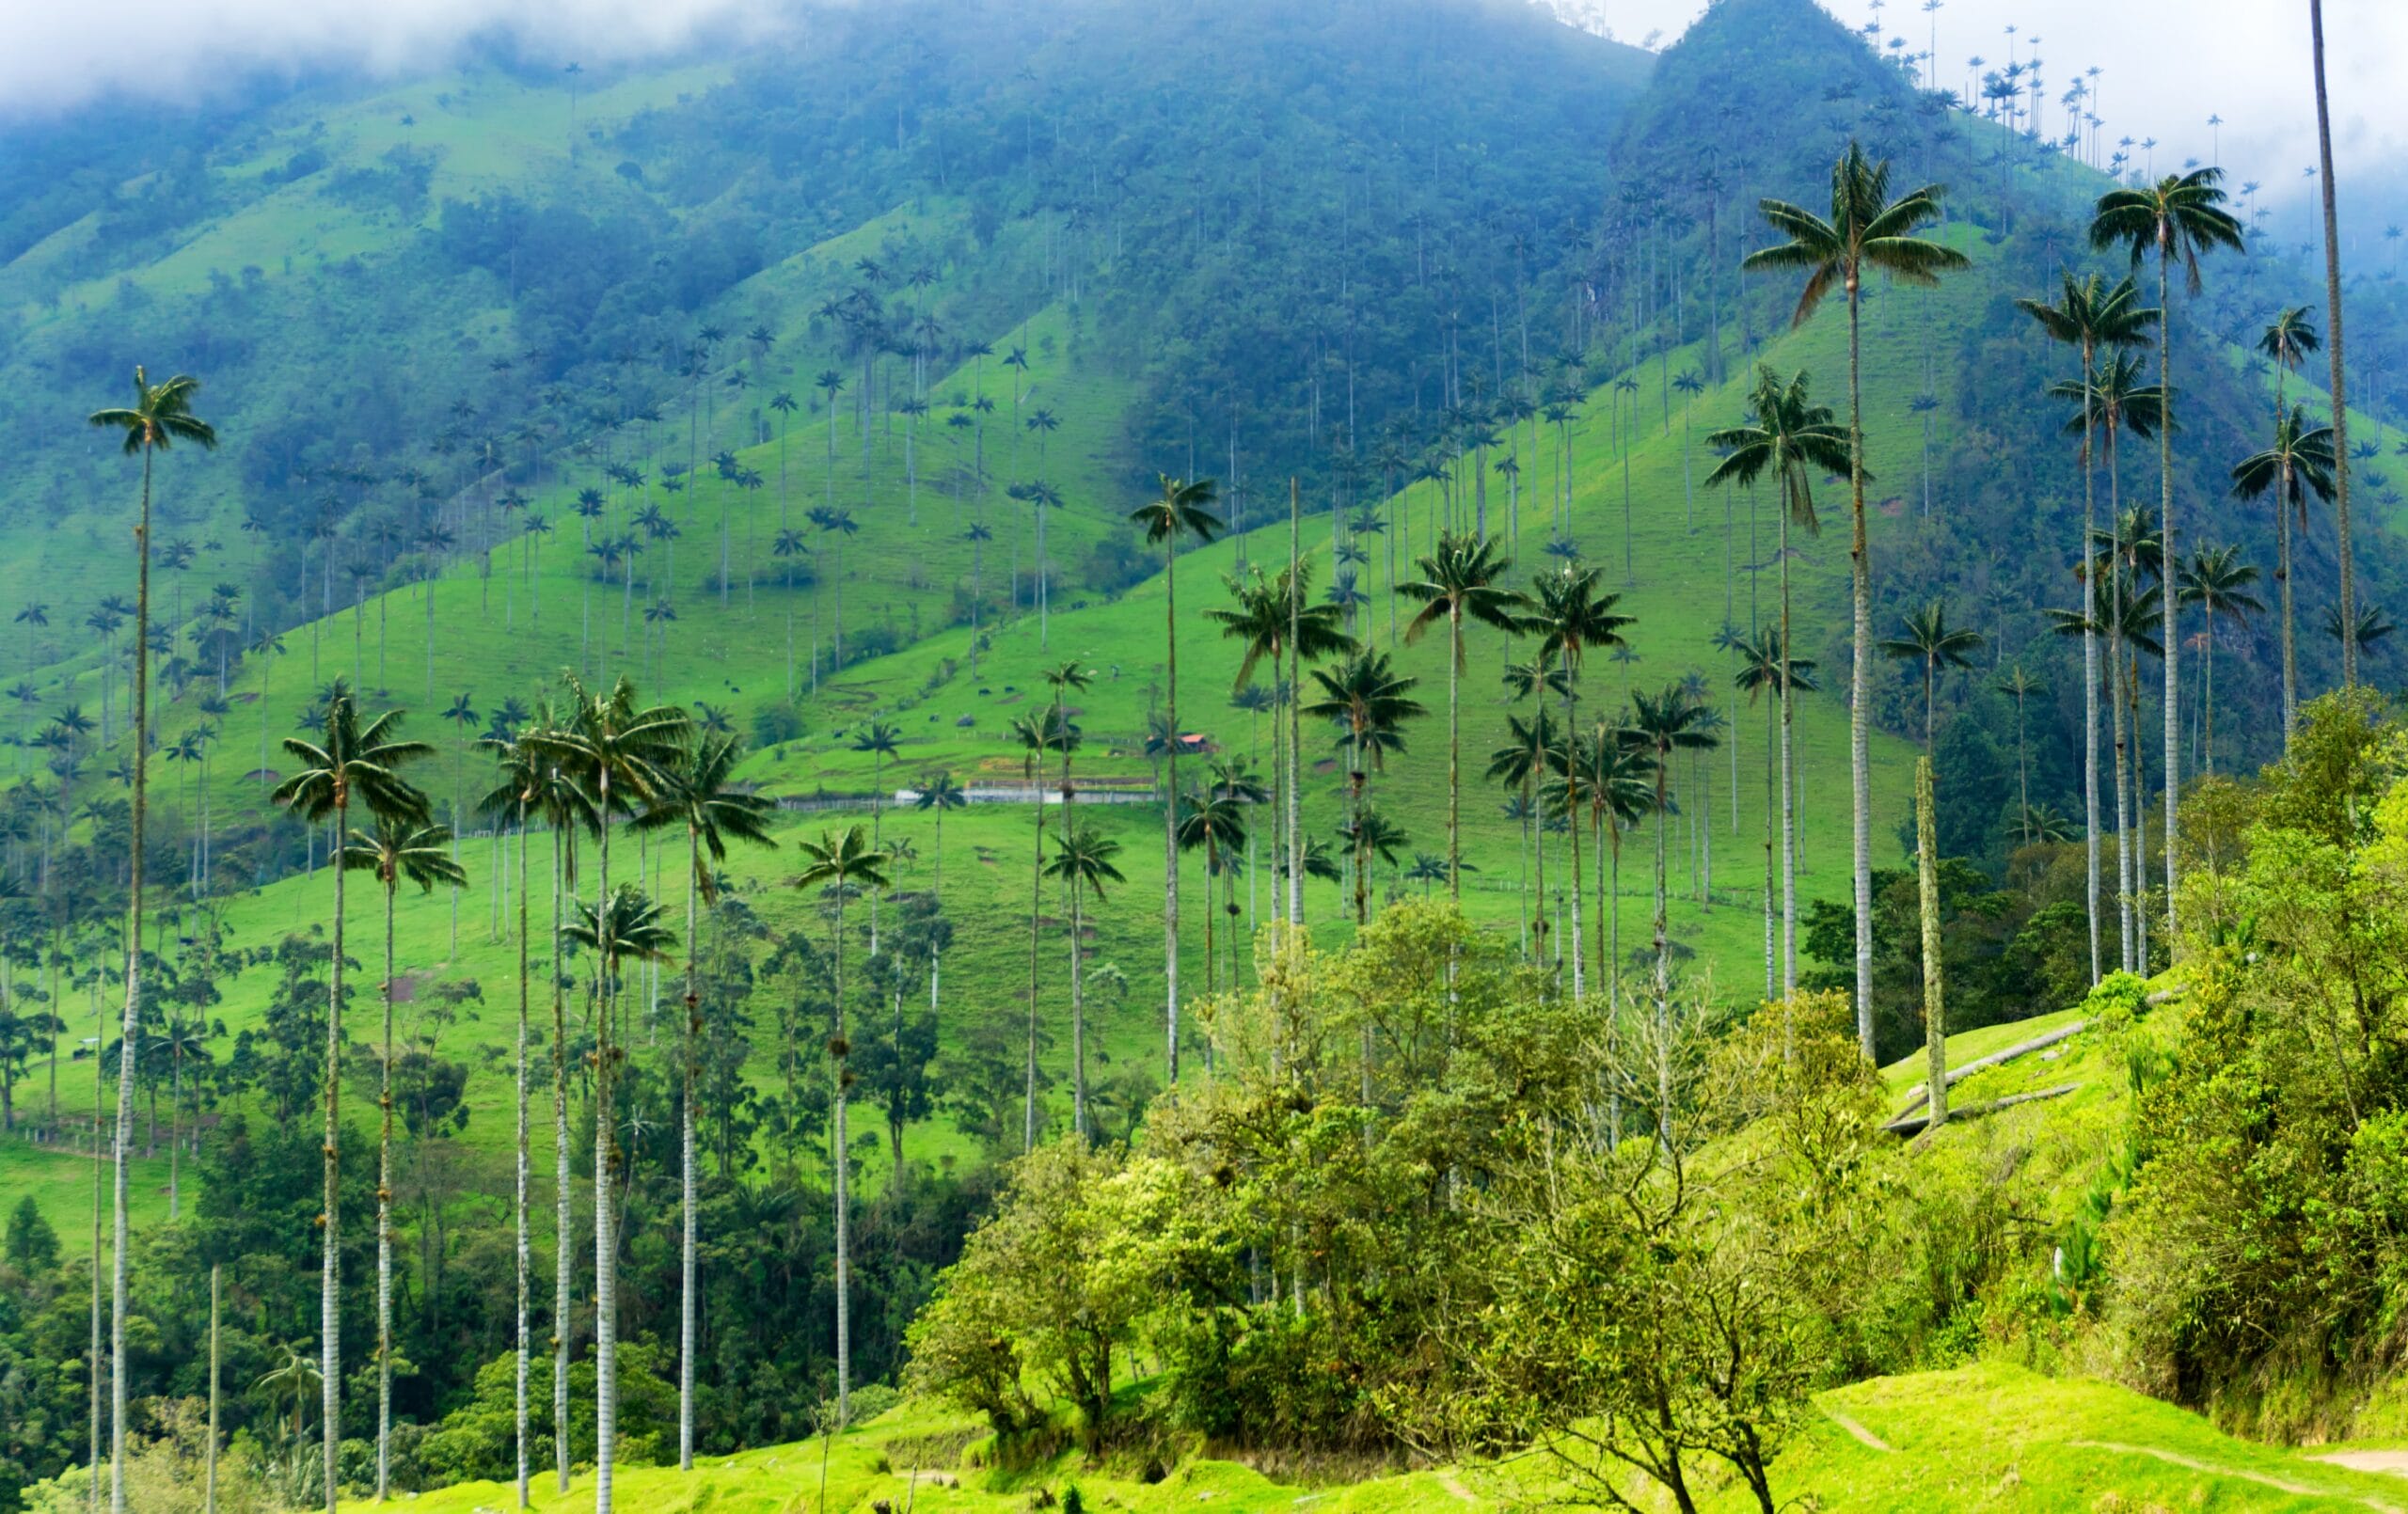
<point x="160" y="416"/>
<point x="2181" y="218"/>
<point x="1868" y="231"/>
<point x="1177" y="513"/>
<point x="350" y="763"/>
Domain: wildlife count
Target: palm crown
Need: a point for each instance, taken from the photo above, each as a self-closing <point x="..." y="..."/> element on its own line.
<point x="352" y="763"/>
<point x="1868" y="229"/>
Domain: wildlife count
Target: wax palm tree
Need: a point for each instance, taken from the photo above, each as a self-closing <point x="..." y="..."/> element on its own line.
<point x="1790" y="439"/>
<point x="2094" y="319"/>
<point x="350" y="763"/>
<point x="1370" y="702"/>
<point x="1660" y="725"/>
<point x="1036" y="734"/>
<point x="1522" y="765"/>
<point x="396" y="851"/>
<point x="1082" y="861"/>
<point x="878" y="740"/>
<point x="1932" y="642"/>
<point x="1272" y="617"/>
<point x="160" y="416"/>
<point x="1178" y="511"/>
<point x="618" y="754"/>
<point x="2370" y="626"/>
<point x="2339" y="385"/>
<point x="2300" y="462"/>
<point x="1572" y="616"/>
<point x="1867" y="231"/>
<point x="840" y="863"/>
<point x="1460" y="580"/>
<point x="700" y="795"/>
<point x="2215" y="579"/>
<point x="938" y="793"/>
<point x="526" y="780"/>
<point x="1767" y="667"/>
<point x="2181" y="218"/>
<point x="1619" y="788"/>
<point x="2019" y="686"/>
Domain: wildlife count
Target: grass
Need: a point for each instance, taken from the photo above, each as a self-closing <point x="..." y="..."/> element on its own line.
<point x="1987" y="1436"/>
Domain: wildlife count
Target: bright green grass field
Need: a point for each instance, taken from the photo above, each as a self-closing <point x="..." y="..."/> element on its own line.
<point x="1989" y="1437"/>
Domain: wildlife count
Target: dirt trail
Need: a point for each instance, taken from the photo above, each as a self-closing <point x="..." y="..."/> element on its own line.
<point x="2261" y="1479"/>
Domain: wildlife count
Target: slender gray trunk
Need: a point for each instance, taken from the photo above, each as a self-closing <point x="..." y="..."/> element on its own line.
<point x="132" y="1027"/>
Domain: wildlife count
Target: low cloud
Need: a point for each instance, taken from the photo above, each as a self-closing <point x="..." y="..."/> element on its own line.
<point x="57" y="55"/>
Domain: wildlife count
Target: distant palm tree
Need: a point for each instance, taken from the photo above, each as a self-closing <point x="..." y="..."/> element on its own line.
<point x="938" y="793"/>
<point x="2299" y="462"/>
<point x="878" y="740"/>
<point x="1766" y="666"/>
<point x="1868" y="231"/>
<point x="160" y="416"/>
<point x="1081" y="860"/>
<point x="1572" y="616"/>
<point x="396" y="851"/>
<point x="1932" y="642"/>
<point x="2019" y="686"/>
<point x="1177" y="513"/>
<point x="2215" y="579"/>
<point x="617" y="753"/>
<point x="1038" y="735"/>
<point x="2092" y="318"/>
<point x="350" y="763"/>
<point x="698" y="793"/>
<point x="1790" y="439"/>
<point x="2370" y="627"/>
<point x="1460" y="580"/>
<point x="840" y="865"/>
<point x="1369" y="701"/>
<point x="2338" y="387"/>
<point x="1660" y="725"/>
<point x="2181" y="218"/>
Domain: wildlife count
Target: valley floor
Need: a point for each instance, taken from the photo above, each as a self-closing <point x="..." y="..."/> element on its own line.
<point x="1989" y="1436"/>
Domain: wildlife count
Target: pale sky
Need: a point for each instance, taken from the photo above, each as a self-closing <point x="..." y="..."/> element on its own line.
<point x="2167" y="64"/>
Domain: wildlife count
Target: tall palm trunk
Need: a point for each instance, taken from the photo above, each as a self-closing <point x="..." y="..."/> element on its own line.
<point x="2123" y="791"/>
<point x="562" y="1221"/>
<point x="384" y="1216"/>
<point x="2283" y="582"/>
<point x="330" y="1258"/>
<point x="1788" y="785"/>
<point x="1295" y="718"/>
<point x="843" y="1187"/>
<point x="1663" y="956"/>
<point x="1572" y="825"/>
<point x="518" y="1391"/>
<point x="208" y="1468"/>
<point x="1036" y="908"/>
<point x="122" y="1251"/>
<point x="2172" y="638"/>
<point x="2090" y="662"/>
<point x="1170" y="812"/>
<point x="2340" y="390"/>
<point x="1935" y="1020"/>
<point x="1859" y="715"/>
<point x="605" y="1147"/>
<point x="1078" y="1017"/>
<point x="686" y="1343"/>
<point x="1772" y="738"/>
<point x="1454" y="749"/>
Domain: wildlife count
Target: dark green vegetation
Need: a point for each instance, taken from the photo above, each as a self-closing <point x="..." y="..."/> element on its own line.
<point x="813" y="394"/>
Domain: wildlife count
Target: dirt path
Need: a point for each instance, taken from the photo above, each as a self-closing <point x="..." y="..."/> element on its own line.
<point x="1864" y="1437"/>
<point x="2368" y="1461"/>
<point x="1453" y="1484"/>
<point x="2261" y="1479"/>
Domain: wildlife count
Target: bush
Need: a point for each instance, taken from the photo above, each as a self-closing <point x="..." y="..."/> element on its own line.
<point x="774" y="723"/>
